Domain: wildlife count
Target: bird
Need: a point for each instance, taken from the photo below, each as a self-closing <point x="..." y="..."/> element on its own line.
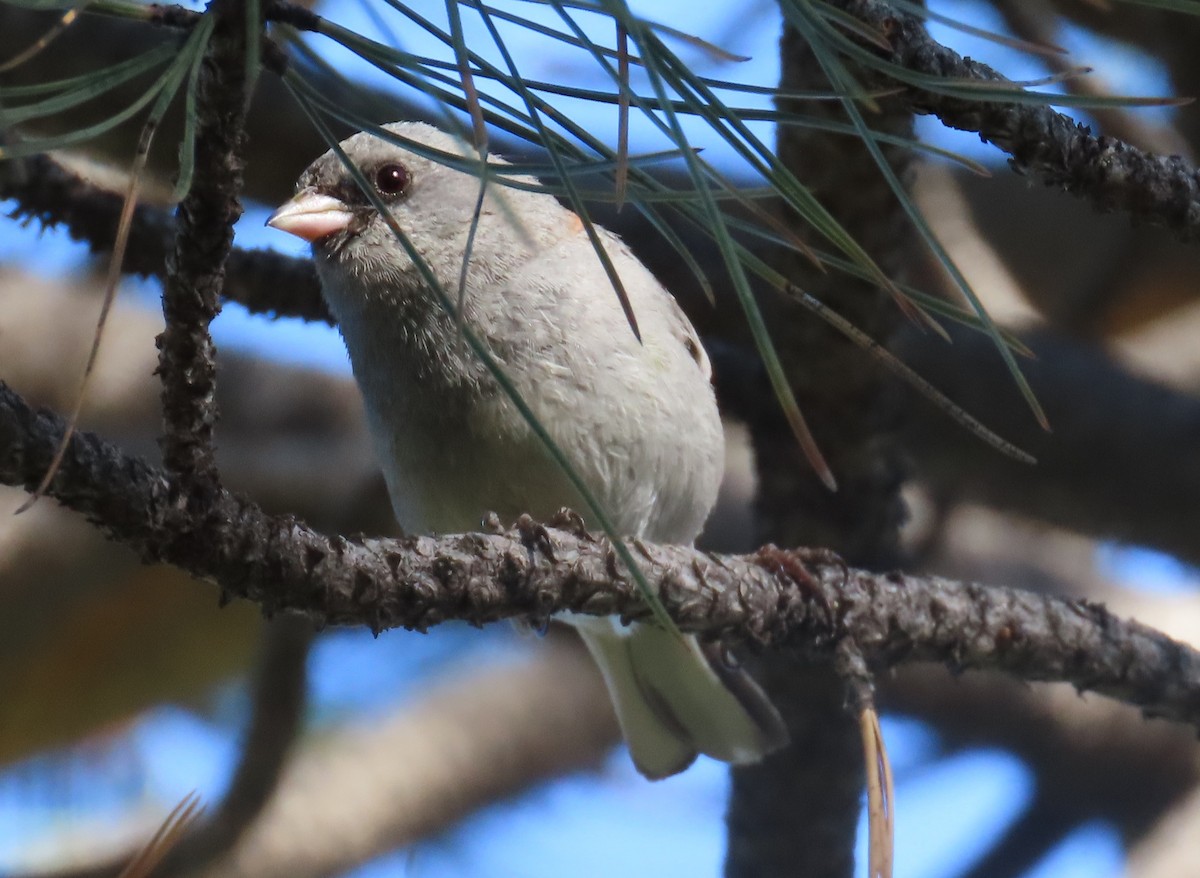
<point x="634" y="412"/>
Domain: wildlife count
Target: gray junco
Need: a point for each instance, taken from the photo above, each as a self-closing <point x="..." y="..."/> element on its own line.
<point x="637" y="419"/>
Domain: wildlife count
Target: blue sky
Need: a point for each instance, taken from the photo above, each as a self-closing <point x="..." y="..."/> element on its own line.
<point x="605" y="823"/>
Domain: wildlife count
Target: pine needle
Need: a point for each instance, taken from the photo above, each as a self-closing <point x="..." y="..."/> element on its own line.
<point x="881" y="816"/>
<point x="110" y="293"/>
<point x="173" y="828"/>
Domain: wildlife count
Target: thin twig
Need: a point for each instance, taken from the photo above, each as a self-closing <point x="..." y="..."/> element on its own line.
<point x="195" y="273"/>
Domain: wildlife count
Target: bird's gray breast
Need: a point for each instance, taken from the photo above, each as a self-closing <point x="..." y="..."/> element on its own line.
<point x="446" y="438"/>
<point x="637" y="421"/>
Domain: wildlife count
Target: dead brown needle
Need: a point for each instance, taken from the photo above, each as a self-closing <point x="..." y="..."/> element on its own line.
<point x="880" y="796"/>
<point x="110" y="292"/>
<point x="169" y="833"/>
<point x="55" y="30"/>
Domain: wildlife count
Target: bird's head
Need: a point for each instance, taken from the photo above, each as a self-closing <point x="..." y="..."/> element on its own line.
<point x="430" y="202"/>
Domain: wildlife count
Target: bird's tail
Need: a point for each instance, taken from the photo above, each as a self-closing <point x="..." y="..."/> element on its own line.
<point x="673" y="701"/>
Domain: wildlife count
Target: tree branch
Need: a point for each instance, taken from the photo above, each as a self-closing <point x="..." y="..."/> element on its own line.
<point x="1169" y="849"/>
<point x="468" y="741"/>
<point x="1029" y="838"/>
<point x="262" y="281"/>
<point x="800" y="807"/>
<point x="1110" y="174"/>
<point x="1037" y="23"/>
<point x="279" y="697"/>
<point x="1105" y="470"/>
<point x="1165" y="34"/>
<point x="807" y="602"/>
<point x="797" y="812"/>
<point x="1107" y="419"/>
<point x="196" y="269"/>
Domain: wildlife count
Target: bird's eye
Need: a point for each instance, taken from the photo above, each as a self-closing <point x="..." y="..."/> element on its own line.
<point x="392" y="179"/>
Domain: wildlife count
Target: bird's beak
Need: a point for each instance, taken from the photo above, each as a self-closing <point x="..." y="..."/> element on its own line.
<point x="311" y="215"/>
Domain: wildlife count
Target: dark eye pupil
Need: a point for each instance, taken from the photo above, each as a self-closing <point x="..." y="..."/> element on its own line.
<point x="392" y="179"/>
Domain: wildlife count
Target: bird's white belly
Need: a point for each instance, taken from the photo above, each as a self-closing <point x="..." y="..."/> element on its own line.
<point x="446" y="481"/>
